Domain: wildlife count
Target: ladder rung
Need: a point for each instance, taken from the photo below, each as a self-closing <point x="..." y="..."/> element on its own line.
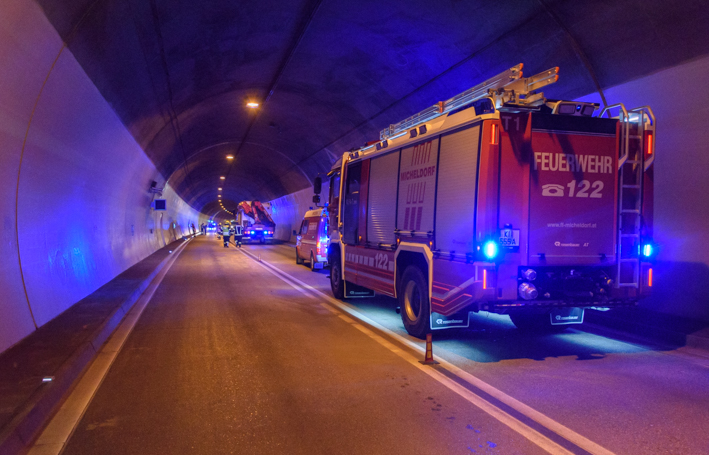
<point x="630" y="211"/>
<point x="629" y="259"/>
<point x="630" y="235"/>
<point x="628" y="285"/>
<point x="632" y="162"/>
<point x="631" y="186"/>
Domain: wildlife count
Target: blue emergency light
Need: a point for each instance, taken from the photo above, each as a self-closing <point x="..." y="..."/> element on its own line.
<point x="490" y="249"/>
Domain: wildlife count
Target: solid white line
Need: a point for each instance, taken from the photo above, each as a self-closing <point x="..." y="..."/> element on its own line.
<point x="563" y="431"/>
<point x="57" y="433"/>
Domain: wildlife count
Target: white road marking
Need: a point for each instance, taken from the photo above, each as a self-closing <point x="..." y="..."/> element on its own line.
<point x="57" y="433"/>
<point x="531" y="434"/>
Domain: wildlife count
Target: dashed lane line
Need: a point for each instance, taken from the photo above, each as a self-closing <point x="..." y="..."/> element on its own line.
<point x="531" y="434"/>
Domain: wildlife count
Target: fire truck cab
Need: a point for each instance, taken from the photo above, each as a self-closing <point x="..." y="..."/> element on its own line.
<point x="498" y="200"/>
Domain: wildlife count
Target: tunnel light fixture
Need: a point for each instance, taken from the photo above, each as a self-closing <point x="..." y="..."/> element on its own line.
<point x="252" y="105"/>
<point x="219" y="189"/>
<point x="222" y="177"/>
<point x="230" y="157"/>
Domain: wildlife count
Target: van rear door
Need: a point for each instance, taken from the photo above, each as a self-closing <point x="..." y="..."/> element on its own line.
<point x="573" y="190"/>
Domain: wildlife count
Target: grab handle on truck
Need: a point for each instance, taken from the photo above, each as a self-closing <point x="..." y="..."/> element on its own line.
<point x="625" y="129"/>
<point x="647" y="112"/>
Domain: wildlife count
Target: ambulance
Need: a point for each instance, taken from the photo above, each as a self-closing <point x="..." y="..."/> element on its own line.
<point x="498" y="200"/>
<point x="312" y="239"/>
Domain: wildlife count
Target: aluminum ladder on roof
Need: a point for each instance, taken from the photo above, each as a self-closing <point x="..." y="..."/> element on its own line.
<point x="507" y="87"/>
<point x="636" y="136"/>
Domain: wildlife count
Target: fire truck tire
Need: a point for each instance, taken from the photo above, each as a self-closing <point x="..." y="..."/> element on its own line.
<point x="336" y="283"/>
<point x="536" y="323"/>
<point x="312" y="262"/>
<point x="414" y="302"/>
<point x="298" y="259"/>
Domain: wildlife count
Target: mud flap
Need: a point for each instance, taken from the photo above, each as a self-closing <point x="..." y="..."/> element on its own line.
<point x="457" y="320"/>
<point x="563" y="316"/>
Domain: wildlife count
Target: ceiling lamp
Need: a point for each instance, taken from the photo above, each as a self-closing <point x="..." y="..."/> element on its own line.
<point x="252" y="104"/>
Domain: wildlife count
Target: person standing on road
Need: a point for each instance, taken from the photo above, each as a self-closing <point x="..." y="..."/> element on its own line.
<point x="203" y="229"/>
<point x="226" y="233"/>
<point x="238" y="234"/>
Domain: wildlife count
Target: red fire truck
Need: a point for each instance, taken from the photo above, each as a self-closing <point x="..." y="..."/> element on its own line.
<point x="498" y="200"/>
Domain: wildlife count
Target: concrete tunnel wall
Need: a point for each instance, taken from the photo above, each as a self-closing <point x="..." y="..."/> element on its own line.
<point x="83" y="206"/>
<point x="678" y="97"/>
<point x="288" y="211"/>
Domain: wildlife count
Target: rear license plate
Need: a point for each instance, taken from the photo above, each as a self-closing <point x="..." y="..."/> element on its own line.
<point x="509" y="238"/>
<point x="563" y="316"/>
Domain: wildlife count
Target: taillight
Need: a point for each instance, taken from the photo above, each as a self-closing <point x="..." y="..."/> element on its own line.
<point x="649" y="278"/>
<point x="493" y="133"/>
<point x="648" y="145"/>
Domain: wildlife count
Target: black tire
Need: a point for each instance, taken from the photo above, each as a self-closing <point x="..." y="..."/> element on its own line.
<point x="312" y="262"/>
<point x="414" y="302"/>
<point x="538" y="323"/>
<point x="337" y="284"/>
<point x="298" y="259"/>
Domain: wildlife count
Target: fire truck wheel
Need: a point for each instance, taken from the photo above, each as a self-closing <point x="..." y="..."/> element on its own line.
<point x="298" y="259"/>
<point x="336" y="283"/>
<point x="413" y="300"/>
<point x="312" y="262"/>
<point x="536" y="323"/>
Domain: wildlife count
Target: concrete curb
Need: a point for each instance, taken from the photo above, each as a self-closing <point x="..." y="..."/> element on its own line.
<point x="22" y="430"/>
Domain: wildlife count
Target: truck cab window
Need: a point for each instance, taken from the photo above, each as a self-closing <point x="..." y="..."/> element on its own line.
<point x="351" y="206"/>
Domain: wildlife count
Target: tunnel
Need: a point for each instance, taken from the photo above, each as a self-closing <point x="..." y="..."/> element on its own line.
<point x="108" y="106"/>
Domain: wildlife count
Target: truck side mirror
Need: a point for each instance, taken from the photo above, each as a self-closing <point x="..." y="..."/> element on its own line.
<point x="317" y="186"/>
<point x="294" y="233"/>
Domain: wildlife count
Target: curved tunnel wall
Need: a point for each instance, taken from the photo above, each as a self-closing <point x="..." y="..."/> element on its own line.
<point x="678" y="97"/>
<point x="80" y="181"/>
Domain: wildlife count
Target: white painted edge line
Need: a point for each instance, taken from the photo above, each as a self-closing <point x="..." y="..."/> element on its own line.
<point x="58" y="431"/>
<point x="547" y="422"/>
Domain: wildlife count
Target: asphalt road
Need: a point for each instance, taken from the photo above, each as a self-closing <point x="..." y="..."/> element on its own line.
<point x="229" y="357"/>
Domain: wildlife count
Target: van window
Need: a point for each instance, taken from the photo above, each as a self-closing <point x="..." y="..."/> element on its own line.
<point x="304" y="227"/>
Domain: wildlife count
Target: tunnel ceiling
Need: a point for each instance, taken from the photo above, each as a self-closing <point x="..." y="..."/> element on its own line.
<point x="330" y="74"/>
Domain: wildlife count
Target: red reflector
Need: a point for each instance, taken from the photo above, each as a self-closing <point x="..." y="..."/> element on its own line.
<point x="649" y="278"/>
<point x="648" y="145"/>
<point x="484" y="278"/>
<point x="493" y="133"/>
